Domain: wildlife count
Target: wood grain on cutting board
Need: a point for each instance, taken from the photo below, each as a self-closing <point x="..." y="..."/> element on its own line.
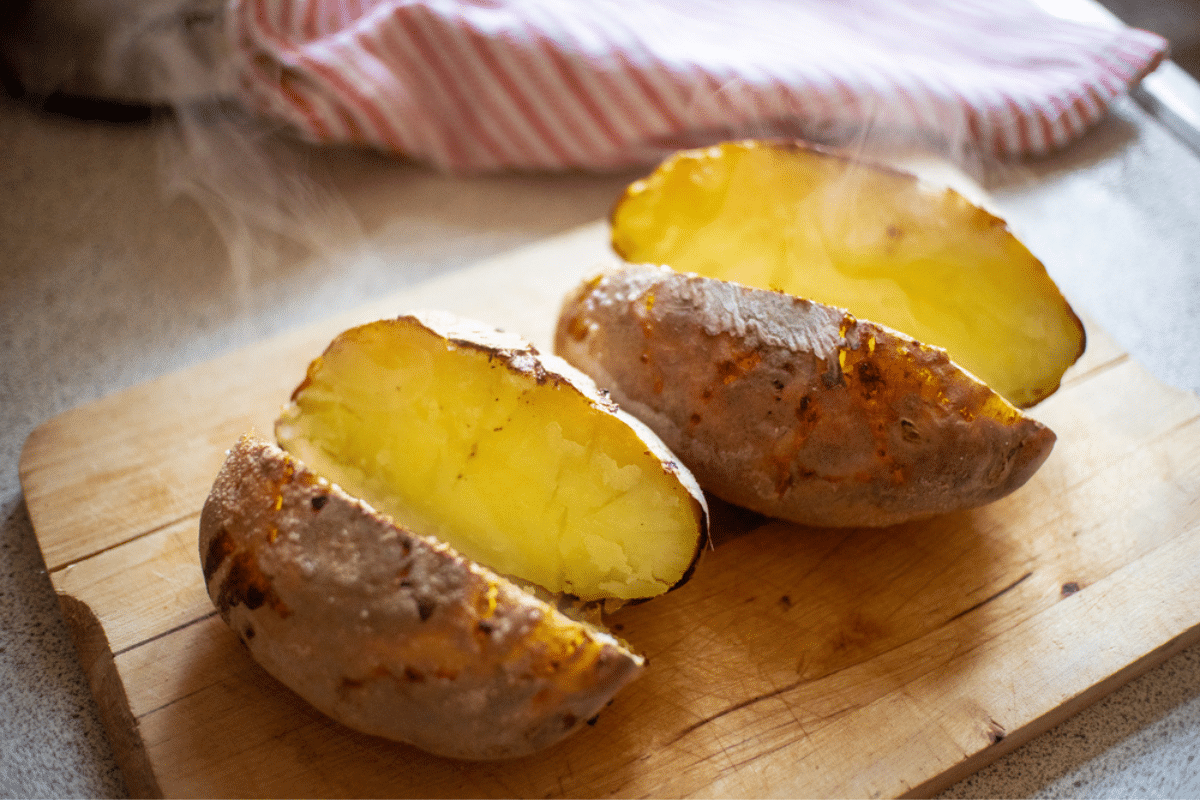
<point x="797" y="662"/>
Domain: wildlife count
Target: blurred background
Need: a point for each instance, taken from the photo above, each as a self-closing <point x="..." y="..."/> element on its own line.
<point x="1176" y="20"/>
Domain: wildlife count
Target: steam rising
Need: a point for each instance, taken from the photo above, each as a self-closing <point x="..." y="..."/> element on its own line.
<point x="263" y="190"/>
<point x="257" y="185"/>
<point x="258" y="188"/>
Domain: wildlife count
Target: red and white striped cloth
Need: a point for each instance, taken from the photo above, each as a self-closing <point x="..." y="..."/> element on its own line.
<point x="605" y="84"/>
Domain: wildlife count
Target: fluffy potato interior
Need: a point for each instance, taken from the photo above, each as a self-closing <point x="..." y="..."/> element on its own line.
<point x="878" y="243"/>
<point x="520" y="473"/>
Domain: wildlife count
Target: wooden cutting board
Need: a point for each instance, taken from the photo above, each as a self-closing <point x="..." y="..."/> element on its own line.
<point x="797" y="662"/>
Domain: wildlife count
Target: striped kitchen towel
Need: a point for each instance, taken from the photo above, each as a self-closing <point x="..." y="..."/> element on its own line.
<point x="478" y="85"/>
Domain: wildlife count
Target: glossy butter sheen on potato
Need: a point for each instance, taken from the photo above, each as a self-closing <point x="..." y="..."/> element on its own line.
<point x="390" y="632"/>
<point x="794" y="408"/>
<point x="886" y="246"/>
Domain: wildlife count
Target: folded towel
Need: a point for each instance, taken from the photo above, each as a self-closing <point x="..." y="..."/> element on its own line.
<point x="607" y="84"/>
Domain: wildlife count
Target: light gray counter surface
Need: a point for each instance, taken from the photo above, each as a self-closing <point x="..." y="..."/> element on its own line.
<point x="107" y="279"/>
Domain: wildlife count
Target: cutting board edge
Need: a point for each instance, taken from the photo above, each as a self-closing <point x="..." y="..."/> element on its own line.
<point x="1013" y="740"/>
<point x="108" y="690"/>
<point x="135" y="763"/>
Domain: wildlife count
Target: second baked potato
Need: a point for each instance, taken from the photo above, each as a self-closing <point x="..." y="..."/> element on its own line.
<point x="793" y="408"/>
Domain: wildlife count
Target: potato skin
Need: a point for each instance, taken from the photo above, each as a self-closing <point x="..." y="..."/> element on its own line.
<point x="388" y="632"/>
<point x="793" y="408"/>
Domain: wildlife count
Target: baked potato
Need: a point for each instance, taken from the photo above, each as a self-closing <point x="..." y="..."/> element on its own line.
<point x="436" y="483"/>
<point x="793" y="408"/>
<point x="880" y="243"/>
<point x="390" y="632"/>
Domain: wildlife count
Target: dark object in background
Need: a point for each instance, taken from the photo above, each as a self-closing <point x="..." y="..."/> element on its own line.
<point x="1176" y="20"/>
<point x="115" y="60"/>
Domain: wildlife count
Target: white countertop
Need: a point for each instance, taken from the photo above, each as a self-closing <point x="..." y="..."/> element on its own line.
<point x="106" y="281"/>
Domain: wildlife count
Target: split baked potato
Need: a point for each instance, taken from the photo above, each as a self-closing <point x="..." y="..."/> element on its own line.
<point x="793" y="408"/>
<point x="878" y="242"/>
<point x="437" y="483"/>
<point x="824" y="340"/>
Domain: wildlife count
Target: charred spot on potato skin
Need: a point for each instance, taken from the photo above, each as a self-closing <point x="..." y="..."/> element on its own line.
<point x="738" y="367"/>
<point x="425" y="608"/>
<point x="569" y="720"/>
<point x="319" y="501"/>
<point x="540" y="375"/>
<point x="833" y="376"/>
<point x="807" y="412"/>
<point x="219" y="549"/>
<point x="870" y="379"/>
<point x="1069" y="588"/>
<point x="248" y="585"/>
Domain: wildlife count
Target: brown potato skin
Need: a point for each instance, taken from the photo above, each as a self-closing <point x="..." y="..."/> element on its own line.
<point x="793" y="408"/>
<point x="388" y="632"/>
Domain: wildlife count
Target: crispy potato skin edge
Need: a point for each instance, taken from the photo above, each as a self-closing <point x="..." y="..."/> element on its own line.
<point x="388" y="632"/>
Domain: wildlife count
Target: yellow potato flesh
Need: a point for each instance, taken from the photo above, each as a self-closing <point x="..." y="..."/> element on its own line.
<point x="878" y="243"/>
<point x="524" y="476"/>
